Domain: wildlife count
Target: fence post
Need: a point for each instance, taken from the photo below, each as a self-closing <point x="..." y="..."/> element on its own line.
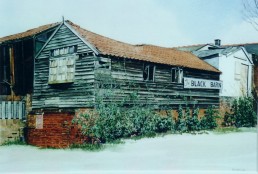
<point x="20" y="110"/>
<point x="9" y="111"/>
<point x="3" y="110"/>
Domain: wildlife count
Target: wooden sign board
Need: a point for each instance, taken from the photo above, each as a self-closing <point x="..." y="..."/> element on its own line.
<point x="35" y="121"/>
<point x="202" y="83"/>
<point x="39" y="121"/>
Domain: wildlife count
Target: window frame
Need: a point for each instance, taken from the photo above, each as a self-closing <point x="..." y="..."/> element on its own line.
<point x="178" y="75"/>
<point x="65" y="67"/>
<point x="149" y="67"/>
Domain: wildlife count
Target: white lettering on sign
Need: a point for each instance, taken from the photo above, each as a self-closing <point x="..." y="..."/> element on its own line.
<point x="202" y="83"/>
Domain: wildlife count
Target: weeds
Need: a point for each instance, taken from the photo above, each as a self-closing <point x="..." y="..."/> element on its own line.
<point x="15" y="142"/>
<point x="88" y="147"/>
<point x="223" y="130"/>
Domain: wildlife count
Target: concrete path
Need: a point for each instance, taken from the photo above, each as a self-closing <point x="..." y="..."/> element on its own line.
<point x="231" y="152"/>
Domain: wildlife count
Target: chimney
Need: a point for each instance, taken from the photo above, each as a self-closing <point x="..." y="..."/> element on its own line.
<point x="217" y="42"/>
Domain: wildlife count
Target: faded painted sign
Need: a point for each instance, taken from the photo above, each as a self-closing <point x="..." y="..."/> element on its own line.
<point x="202" y="83"/>
<point x="39" y="121"/>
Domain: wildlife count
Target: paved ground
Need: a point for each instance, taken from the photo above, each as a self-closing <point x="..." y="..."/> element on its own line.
<point x="231" y="152"/>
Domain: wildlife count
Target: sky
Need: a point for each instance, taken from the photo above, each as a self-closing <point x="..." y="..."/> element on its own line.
<point x="167" y="23"/>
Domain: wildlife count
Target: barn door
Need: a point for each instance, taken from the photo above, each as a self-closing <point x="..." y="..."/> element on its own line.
<point x="244" y="79"/>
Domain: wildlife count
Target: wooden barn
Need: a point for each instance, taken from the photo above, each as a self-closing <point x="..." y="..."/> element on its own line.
<point x="76" y="66"/>
<point x="17" y="54"/>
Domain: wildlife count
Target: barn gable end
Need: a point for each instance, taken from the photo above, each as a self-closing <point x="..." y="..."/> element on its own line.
<point x="64" y="95"/>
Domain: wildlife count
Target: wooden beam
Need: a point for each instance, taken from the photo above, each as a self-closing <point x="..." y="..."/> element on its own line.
<point x="12" y="75"/>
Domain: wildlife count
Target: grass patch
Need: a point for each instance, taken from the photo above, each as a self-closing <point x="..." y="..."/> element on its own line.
<point x="118" y="141"/>
<point x="88" y="147"/>
<point x="138" y="137"/>
<point x="15" y="142"/>
<point x="248" y="129"/>
<point x="154" y="135"/>
<point x="97" y="146"/>
<point x="222" y="130"/>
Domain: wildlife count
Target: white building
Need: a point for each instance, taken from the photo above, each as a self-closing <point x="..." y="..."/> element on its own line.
<point x="235" y="64"/>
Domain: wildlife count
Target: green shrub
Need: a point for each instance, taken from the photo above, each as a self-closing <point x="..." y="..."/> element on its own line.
<point x="229" y="120"/>
<point x="181" y="122"/>
<point x="192" y="122"/>
<point x="243" y="112"/>
<point x="208" y="121"/>
<point x="109" y="122"/>
<point x="15" y="142"/>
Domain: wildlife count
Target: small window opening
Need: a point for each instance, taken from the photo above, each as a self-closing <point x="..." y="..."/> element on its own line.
<point x="149" y="72"/>
<point x="63" y="51"/>
<point x="176" y="75"/>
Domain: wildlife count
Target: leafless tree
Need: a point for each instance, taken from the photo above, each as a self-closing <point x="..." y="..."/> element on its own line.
<point x="251" y="12"/>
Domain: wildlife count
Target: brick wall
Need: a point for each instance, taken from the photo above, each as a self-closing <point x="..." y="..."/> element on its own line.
<point x="58" y="131"/>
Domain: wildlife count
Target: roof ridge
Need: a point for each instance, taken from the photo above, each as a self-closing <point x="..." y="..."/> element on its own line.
<point x="79" y="27"/>
<point x="194" y="45"/>
<point x="144" y="52"/>
<point x="241" y="44"/>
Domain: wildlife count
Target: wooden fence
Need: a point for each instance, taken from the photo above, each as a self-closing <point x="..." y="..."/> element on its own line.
<point x="12" y="110"/>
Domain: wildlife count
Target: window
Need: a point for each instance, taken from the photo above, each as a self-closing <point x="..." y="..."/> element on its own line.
<point x="61" y="70"/>
<point x="176" y="75"/>
<point x="148" y="72"/>
<point x="63" y="51"/>
<point x="103" y="63"/>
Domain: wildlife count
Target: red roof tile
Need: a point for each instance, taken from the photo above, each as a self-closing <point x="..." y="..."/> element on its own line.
<point x="149" y="53"/>
<point x="28" y="33"/>
<point x="111" y="47"/>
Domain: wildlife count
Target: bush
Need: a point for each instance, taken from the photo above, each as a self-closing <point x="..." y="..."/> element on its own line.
<point x="181" y="122"/>
<point x="193" y="123"/>
<point x="229" y="120"/>
<point x="187" y="122"/>
<point x="109" y="122"/>
<point x="209" y="120"/>
<point x="243" y="112"/>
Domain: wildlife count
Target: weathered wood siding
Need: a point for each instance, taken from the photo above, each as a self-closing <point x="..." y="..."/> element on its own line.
<point x="113" y="78"/>
<point x="74" y="95"/>
<point x="127" y="77"/>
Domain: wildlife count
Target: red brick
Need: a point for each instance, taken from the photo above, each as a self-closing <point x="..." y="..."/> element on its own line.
<point x="58" y="131"/>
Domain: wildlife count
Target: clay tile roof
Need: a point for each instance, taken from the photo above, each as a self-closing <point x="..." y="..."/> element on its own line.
<point x="28" y="33"/>
<point x="149" y="53"/>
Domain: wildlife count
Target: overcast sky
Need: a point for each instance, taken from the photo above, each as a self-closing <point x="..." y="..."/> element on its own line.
<point x="160" y="22"/>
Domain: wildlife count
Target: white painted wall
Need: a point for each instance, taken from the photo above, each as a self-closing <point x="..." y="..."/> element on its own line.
<point x="232" y="86"/>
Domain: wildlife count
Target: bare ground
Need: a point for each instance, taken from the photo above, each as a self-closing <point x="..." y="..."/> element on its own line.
<point x="231" y="152"/>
